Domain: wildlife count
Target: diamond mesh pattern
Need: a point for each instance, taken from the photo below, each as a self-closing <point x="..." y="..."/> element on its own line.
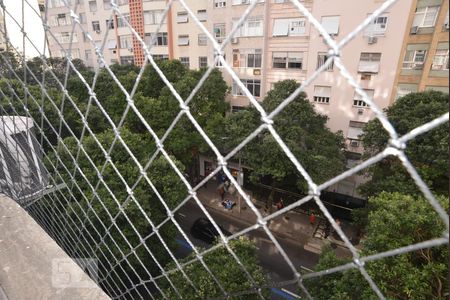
<point x="64" y="171"/>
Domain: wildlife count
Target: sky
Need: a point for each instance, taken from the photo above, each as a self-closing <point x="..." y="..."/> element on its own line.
<point x="33" y="26"/>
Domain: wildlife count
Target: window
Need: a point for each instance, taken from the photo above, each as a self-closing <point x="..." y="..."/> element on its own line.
<point x="247" y="58"/>
<point x="106" y="4"/>
<point x="358" y="100"/>
<point x="287" y="60"/>
<point x="218" y="63"/>
<point x="182" y="17"/>
<point x="322" y="94"/>
<point x="253" y="26"/>
<point x="122" y="2"/>
<point x="64" y="37"/>
<point x="74" y="53"/>
<point x="369" y="62"/>
<point x="201" y="15"/>
<point x="126" y="42"/>
<point x="253" y="86"/>
<point x="96" y="26"/>
<point x="414" y="59"/>
<point x="440" y="60"/>
<point x="92" y="6"/>
<point x="220" y="3"/>
<point x="161" y="39"/>
<point x="425" y="16"/>
<point x="111" y="44"/>
<point x="88" y="55"/>
<point x="219" y="32"/>
<point x="110" y="24"/>
<point x="183" y="40"/>
<point x="378" y="26"/>
<point x="152" y="17"/>
<point x="331" y="24"/>
<point x="160" y="57"/>
<point x="281" y="1"/>
<point x="82" y="17"/>
<point x="239" y="2"/>
<point x="127" y="60"/>
<point x="185" y="61"/>
<point x="355" y="130"/>
<point x="63" y="19"/>
<point x="289" y="27"/>
<point x="202" y="61"/>
<point x="202" y="39"/>
<point x="321" y="59"/>
<point x="121" y="20"/>
<point x="405" y="89"/>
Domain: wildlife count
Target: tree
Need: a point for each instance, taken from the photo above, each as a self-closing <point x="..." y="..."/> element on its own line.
<point x="111" y="199"/>
<point x="226" y="270"/>
<point x="303" y="130"/>
<point x="427" y="152"/>
<point x="395" y="220"/>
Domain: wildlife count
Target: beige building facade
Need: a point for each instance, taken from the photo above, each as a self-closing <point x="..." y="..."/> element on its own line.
<point x="424" y="62"/>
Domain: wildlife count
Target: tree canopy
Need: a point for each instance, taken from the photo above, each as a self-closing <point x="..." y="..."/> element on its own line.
<point x="427" y="152"/>
<point x="226" y="270"/>
<point x="395" y="220"/>
<point x="304" y="131"/>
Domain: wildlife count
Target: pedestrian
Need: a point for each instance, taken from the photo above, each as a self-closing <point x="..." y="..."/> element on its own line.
<point x="221" y="190"/>
<point x="280" y="204"/>
<point x="312" y="218"/>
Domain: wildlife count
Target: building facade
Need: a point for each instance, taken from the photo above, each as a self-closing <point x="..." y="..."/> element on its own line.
<point x="405" y="49"/>
<point x="424" y="62"/>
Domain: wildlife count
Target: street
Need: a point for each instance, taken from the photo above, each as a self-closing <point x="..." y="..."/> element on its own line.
<point x="268" y="254"/>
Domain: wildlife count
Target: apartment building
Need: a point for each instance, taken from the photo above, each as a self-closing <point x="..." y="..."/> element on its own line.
<point x="245" y="51"/>
<point x="424" y="62"/>
<point x="107" y="30"/>
<point x="369" y="58"/>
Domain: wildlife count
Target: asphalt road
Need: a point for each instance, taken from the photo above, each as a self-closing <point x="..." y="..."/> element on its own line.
<point x="269" y="255"/>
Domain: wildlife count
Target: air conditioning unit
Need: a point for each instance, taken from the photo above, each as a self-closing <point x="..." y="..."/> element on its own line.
<point x="130" y="49"/>
<point x="256" y="71"/>
<point x="235" y="40"/>
<point x="97" y="31"/>
<point x="360" y="111"/>
<point x="354" y="143"/>
<point x="372" y="40"/>
<point x="446" y="26"/>
<point x="414" y="29"/>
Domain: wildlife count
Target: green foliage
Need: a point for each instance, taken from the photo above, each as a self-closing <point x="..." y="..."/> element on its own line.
<point x="112" y="199"/>
<point x="395" y="220"/>
<point x="427" y="152"/>
<point x="226" y="270"/>
<point x="303" y="130"/>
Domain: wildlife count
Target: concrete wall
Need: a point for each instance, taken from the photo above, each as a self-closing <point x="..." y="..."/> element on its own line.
<point x="31" y="260"/>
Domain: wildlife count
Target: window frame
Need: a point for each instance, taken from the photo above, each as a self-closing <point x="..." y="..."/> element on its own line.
<point x="445" y="61"/>
<point x="413" y="63"/>
<point x="322" y="98"/>
<point x="321" y="62"/>
<point x="424" y="15"/>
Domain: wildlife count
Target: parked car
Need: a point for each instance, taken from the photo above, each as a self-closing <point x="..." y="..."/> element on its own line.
<point x="204" y="230"/>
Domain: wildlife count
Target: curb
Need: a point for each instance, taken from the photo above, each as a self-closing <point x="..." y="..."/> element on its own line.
<point x="278" y="235"/>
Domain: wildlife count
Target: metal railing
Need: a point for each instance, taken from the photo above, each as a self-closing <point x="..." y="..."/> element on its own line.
<point x="87" y="231"/>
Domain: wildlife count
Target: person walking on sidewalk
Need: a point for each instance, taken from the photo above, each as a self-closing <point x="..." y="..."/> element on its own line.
<point x="280" y="204"/>
<point x="221" y="190"/>
<point x="312" y="219"/>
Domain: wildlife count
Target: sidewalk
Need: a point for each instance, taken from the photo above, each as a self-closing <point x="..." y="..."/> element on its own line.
<point x="291" y="225"/>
